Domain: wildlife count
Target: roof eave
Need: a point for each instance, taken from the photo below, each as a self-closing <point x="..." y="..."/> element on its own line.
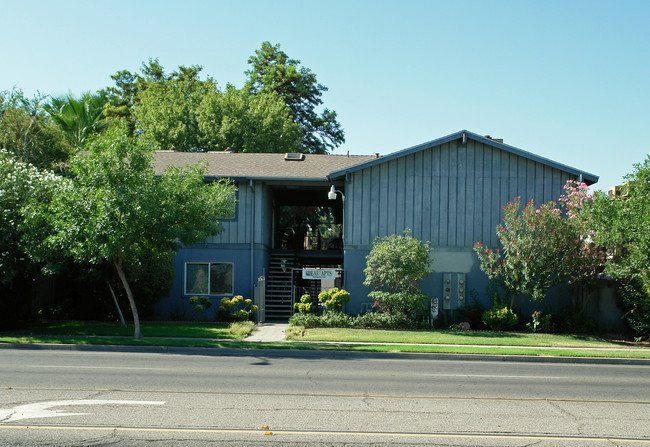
<point x="588" y="178"/>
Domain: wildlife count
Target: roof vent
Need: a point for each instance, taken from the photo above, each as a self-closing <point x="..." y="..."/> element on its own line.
<point x="498" y="140"/>
<point x="294" y="157"/>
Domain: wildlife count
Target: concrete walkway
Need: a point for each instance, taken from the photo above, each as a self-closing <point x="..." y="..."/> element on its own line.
<point x="269" y="332"/>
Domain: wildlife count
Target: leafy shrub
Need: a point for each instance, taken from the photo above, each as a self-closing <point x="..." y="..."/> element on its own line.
<point x="236" y="309"/>
<point x="334" y="298"/>
<point x="394" y="269"/>
<point x="370" y="320"/>
<point x="305" y="305"/>
<point x="500" y="316"/>
<point x="200" y="303"/>
<point x="578" y="323"/>
<point x="399" y="303"/>
<point x="397" y="263"/>
<point x="381" y="320"/>
<point x="473" y="312"/>
<point x="306" y="320"/>
<point x="636" y="304"/>
<point x="540" y="322"/>
<point x="337" y="319"/>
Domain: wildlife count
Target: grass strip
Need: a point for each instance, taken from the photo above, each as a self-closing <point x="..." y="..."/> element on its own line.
<point x="491" y="350"/>
<point x="485" y="338"/>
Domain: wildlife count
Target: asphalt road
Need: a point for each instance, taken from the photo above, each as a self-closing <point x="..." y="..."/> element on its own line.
<point x="68" y="398"/>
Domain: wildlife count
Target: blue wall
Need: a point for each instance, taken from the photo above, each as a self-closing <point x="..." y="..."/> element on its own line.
<point x="176" y="305"/>
<point x="453" y="262"/>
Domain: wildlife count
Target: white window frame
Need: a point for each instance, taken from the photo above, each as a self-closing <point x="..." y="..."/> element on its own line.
<point x="209" y="264"/>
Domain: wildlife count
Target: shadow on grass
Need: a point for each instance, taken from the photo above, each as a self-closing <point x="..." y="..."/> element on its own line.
<point x="109" y="329"/>
<point x="485" y="334"/>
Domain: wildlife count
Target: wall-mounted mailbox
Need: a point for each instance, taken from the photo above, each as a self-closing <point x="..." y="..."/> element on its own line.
<point x="446" y="291"/>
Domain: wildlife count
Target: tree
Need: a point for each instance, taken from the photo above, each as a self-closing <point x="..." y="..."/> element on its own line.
<point x="123" y="98"/>
<point x="622" y="224"/>
<point x="113" y="208"/>
<point x="27" y="133"/>
<point x="181" y="110"/>
<point x="394" y="268"/>
<point x="272" y="71"/>
<point x="79" y="118"/>
<point x="237" y="121"/>
<point x="167" y="113"/>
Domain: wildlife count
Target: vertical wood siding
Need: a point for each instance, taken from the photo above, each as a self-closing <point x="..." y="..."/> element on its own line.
<point x="450" y="195"/>
<point x="238" y="230"/>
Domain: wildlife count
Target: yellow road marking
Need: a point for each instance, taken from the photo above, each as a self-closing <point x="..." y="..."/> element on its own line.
<point x="333" y="433"/>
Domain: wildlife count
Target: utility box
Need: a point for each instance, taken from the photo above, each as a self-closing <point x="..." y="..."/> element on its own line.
<point x="446" y="291"/>
<point x="454" y="290"/>
<point x="461" y="285"/>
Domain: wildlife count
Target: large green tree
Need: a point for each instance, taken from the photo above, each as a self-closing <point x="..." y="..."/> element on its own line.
<point x="622" y="224"/>
<point x="273" y="71"/>
<point x="237" y="121"/>
<point x="27" y="132"/>
<point x="113" y="208"/>
<point x="182" y="111"/>
<point x="167" y="113"/>
<point x="124" y="96"/>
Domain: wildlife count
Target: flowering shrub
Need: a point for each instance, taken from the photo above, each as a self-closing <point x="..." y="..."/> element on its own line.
<point x="236" y="309"/>
<point x="333" y="299"/>
<point x="21" y="227"/>
<point x="541" y="248"/>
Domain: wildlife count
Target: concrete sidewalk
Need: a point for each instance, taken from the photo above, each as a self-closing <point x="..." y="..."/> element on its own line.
<point x="269" y="332"/>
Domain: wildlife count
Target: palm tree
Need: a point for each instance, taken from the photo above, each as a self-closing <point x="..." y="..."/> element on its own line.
<point x="79" y="118"/>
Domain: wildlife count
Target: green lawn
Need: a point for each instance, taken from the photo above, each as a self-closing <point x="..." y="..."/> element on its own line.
<point x="202" y="335"/>
<point x="483" y="338"/>
<point x="149" y="329"/>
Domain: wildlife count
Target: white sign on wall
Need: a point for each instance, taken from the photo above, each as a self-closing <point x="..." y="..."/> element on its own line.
<point x="318" y="273"/>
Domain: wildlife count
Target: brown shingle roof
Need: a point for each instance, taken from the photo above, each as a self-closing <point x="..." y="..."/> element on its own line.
<point x="259" y="165"/>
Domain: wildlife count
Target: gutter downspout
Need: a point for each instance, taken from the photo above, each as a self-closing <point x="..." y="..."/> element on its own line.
<point x="252" y="234"/>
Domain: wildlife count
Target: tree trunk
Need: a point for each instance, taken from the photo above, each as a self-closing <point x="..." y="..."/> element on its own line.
<point x="117" y="261"/>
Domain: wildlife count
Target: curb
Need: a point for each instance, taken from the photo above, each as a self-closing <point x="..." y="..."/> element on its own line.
<point x="323" y="354"/>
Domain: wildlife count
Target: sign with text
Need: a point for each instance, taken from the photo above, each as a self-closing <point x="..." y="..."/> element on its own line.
<point x="318" y="273"/>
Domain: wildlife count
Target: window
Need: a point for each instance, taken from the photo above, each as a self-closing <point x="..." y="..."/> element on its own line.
<point x="209" y="278"/>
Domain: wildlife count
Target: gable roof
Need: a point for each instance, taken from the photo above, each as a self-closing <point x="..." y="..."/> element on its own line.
<point x="259" y="166"/>
<point x="586" y="177"/>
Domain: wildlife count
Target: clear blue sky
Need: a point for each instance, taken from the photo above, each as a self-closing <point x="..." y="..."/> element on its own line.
<point x="567" y="80"/>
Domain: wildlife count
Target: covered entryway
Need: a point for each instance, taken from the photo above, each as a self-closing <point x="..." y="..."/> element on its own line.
<point x="307" y="233"/>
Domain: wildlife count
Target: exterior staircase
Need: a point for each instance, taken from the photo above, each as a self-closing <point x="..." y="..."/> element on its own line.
<point x="279" y="301"/>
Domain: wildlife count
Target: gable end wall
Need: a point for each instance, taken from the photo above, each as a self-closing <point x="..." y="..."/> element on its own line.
<point x="450" y="195"/>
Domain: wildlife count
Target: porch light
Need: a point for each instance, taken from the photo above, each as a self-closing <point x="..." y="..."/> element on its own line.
<point x="332" y="194"/>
